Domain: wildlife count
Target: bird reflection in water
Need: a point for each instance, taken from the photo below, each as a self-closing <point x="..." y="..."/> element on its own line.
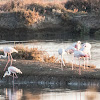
<point x="13" y="95"/>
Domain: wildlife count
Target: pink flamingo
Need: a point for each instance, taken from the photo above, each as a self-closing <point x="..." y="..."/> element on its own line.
<point x="79" y="54"/>
<point x="9" y="51"/>
<point x="86" y="49"/>
<point x="72" y="48"/>
<point x="13" y="70"/>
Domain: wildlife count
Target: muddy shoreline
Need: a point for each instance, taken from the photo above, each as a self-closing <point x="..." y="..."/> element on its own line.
<point x="49" y="75"/>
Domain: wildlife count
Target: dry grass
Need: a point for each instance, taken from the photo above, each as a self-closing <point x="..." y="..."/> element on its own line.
<point x="33" y="54"/>
<point x="37" y="5"/>
<point x="36" y="1"/>
<point x="29" y="53"/>
<point x="51" y="59"/>
<point x="21" y="3"/>
<point x="27" y="16"/>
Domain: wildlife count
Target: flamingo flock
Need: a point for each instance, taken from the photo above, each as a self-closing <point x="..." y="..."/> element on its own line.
<point x="78" y="50"/>
<point x="11" y="69"/>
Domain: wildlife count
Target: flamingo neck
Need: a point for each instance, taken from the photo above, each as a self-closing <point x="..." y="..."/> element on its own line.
<point x="3" y="56"/>
<point x="8" y="73"/>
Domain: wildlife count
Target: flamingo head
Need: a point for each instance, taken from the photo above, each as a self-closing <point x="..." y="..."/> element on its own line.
<point x="5" y="74"/>
<point x="87" y="45"/>
<point x="79" y="42"/>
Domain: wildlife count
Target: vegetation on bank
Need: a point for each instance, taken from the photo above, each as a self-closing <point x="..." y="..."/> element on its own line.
<point x="84" y="5"/>
<point x="34" y="54"/>
<point x="41" y="16"/>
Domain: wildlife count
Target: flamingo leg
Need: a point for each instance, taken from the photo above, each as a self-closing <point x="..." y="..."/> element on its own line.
<point x="79" y="67"/>
<point x="62" y="62"/>
<point x="87" y="61"/>
<point x="16" y="75"/>
<point x="11" y="60"/>
<point x="7" y="62"/>
<point x="84" y="62"/>
<point x="75" y="59"/>
<point x="13" y="80"/>
<point x="72" y="61"/>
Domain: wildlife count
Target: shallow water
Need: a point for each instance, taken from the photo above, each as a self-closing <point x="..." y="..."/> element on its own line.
<point x="51" y="94"/>
<point x="43" y="94"/>
<point x="52" y="48"/>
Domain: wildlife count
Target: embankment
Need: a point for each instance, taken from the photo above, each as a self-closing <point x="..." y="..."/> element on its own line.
<point x="50" y="75"/>
<point x="38" y="21"/>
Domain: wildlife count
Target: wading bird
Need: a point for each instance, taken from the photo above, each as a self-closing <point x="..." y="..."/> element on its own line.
<point x="13" y="70"/>
<point x="79" y="54"/>
<point x="86" y="47"/>
<point x="72" y="48"/>
<point x="9" y="51"/>
<point x="61" y="52"/>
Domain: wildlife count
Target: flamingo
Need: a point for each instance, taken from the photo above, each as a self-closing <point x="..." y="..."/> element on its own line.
<point x="86" y="49"/>
<point x="61" y="52"/>
<point x="72" y="48"/>
<point x="79" y="54"/>
<point x="9" y="51"/>
<point x="13" y="70"/>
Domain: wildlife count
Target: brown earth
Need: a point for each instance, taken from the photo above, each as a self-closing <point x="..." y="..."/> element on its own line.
<point x="49" y="75"/>
<point x="28" y="67"/>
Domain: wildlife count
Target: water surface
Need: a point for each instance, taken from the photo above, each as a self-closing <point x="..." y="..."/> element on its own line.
<point x="51" y="94"/>
<point x="41" y="94"/>
<point x="52" y="48"/>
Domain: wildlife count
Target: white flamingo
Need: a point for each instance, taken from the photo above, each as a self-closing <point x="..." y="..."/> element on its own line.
<point x="86" y="47"/>
<point x="9" y="51"/>
<point x="72" y="48"/>
<point x="61" y="52"/>
<point x="79" y="54"/>
<point x="13" y="70"/>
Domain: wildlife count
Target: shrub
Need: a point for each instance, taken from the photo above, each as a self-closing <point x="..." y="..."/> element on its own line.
<point x="83" y="5"/>
<point x="51" y="59"/>
<point x="33" y="54"/>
